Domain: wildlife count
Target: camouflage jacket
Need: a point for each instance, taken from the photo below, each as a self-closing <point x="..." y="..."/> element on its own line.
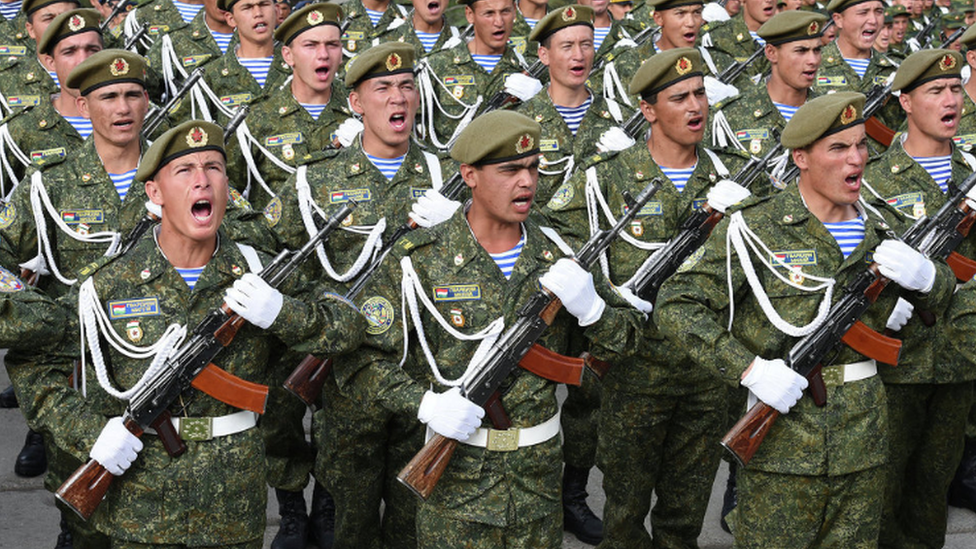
<point x="285" y="129"/>
<point x="617" y="33"/>
<point x="233" y="83"/>
<point x="469" y="291"/>
<point x="849" y="433"/>
<point x="558" y="143"/>
<point x="519" y="39"/>
<point x="966" y="133"/>
<point x="660" y="366"/>
<point x="162" y="18"/>
<point x="639" y="18"/>
<point x="23" y="80"/>
<point x="905" y="185"/>
<point x="31" y="320"/>
<point x="42" y="134"/>
<point x="215" y="492"/>
<point x="729" y="42"/>
<point x="361" y="32"/>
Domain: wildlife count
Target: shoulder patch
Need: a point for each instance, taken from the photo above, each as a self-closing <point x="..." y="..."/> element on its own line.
<point x="692" y="260"/>
<point x="9" y="283"/>
<point x="8" y="215"/>
<point x="379" y="315"/>
<point x="237" y="200"/>
<point x="563" y="196"/>
<point x="272" y="212"/>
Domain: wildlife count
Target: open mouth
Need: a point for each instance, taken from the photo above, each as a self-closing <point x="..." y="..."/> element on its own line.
<point x="202" y="210"/>
<point x="398" y="121"/>
<point x="577" y="70"/>
<point x="523" y="202"/>
<point x="123" y="124"/>
<point x="868" y="34"/>
<point x="853" y="180"/>
<point x="690" y="37"/>
<point x="696" y="123"/>
<point x="261" y="27"/>
<point x="323" y="71"/>
<point x="432" y="7"/>
<point x="949" y="120"/>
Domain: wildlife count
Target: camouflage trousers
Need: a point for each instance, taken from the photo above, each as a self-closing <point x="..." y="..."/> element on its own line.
<point x="436" y="531"/>
<point x="60" y="466"/>
<point x="927" y="430"/>
<point x="288" y="455"/>
<point x="579" y="420"/>
<point x="666" y="444"/>
<point x="361" y="449"/>
<point x="121" y="544"/>
<point x="795" y="511"/>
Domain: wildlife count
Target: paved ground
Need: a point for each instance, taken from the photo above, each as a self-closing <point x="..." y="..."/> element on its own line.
<point x="28" y="518"/>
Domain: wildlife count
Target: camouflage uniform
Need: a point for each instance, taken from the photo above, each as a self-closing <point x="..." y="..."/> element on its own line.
<point x="813" y="460"/>
<point x="660" y="415"/>
<point x="42" y="135"/>
<point x="31" y="320"/>
<point x="485" y="498"/>
<point x="23" y="79"/>
<point x="361" y="32"/>
<point x="519" y="39"/>
<point x="729" y="42"/>
<point x="215" y="492"/>
<point x="966" y="133"/>
<point x="930" y="392"/>
<point x="162" y="18"/>
<point x="360" y="445"/>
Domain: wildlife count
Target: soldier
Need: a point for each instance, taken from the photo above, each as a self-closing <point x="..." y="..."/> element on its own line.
<point x="426" y="28"/>
<point x="368" y="19"/>
<point x="748" y="121"/>
<point x="733" y="41"/>
<point x="32" y="321"/>
<point x="214" y="493"/>
<point x="620" y="8"/>
<point x="819" y="473"/>
<point x="883" y="39"/>
<point x="899" y="26"/>
<point x="648" y="441"/>
<point x="161" y="17"/>
<point x="359" y="444"/>
<point x="607" y="31"/>
<point x="930" y="392"/>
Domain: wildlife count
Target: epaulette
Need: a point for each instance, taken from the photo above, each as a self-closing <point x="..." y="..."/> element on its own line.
<point x="88" y="270"/>
<point x="317" y="156"/>
<point x="417" y="238"/>
<point x="750" y="201"/>
<point x="597" y="159"/>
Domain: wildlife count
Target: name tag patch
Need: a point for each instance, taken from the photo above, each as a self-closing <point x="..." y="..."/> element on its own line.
<point x="345" y="195"/>
<point x="749" y="135"/>
<point x="417" y="193"/>
<point x="831" y="81"/>
<point x="794" y="258"/>
<point x="697" y="203"/>
<point x="39" y="157"/>
<point x="23" y="100"/>
<point x="131" y="308"/>
<point x="548" y="145"/>
<point x="18" y="51"/>
<point x="965" y="140"/>
<point x="459" y="80"/>
<point x="156" y="29"/>
<point x="354" y="35"/>
<point x="284" y="139"/>
<point x="457" y="292"/>
<point x="235" y="99"/>
<point x="71" y="217"/>
<point x="651" y="208"/>
<point x="194" y="60"/>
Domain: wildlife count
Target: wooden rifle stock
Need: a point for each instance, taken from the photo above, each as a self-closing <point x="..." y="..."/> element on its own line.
<point x="878" y="131"/>
<point x="420" y="476"/>
<point x="307" y="379"/>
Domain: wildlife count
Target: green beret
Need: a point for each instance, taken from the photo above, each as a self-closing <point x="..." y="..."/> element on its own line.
<point x="498" y="136"/>
<point x="557" y="20"/>
<point x="108" y="67"/>
<point x="661" y="5"/>
<point x="621" y="1"/>
<point x="68" y="24"/>
<point x="792" y="25"/>
<point x="953" y="21"/>
<point x="823" y="116"/>
<point x="897" y="10"/>
<point x="382" y="60"/>
<point x="664" y="69"/>
<point x="968" y="38"/>
<point x="927" y="65"/>
<point x="30" y="6"/>
<point x="837" y="6"/>
<point x="311" y="16"/>
<point x="192" y="136"/>
<point x="226" y="5"/>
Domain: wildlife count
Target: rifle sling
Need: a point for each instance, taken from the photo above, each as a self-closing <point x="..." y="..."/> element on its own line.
<point x="871" y="344"/>
<point x="878" y="131"/>
<point x="963" y="267"/>
<point x="553" y="366"/>
<point x="230" y="389"/>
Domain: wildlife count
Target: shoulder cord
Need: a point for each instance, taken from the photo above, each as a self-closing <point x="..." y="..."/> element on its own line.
<point x="41" y="201"/>
<point x="569" y="160"/>
<point x="738" y="236"/>
<point x="131" y="27"/>
<point x="707" y="58"/>
<point x="434" y="168"/>
<point x="7" y="144"/>
<point x="722" y="134"/>
<point x="370" y="248"/>
<point x="197" y="100"/>
<point x="429" y="102"/>
<point x="244" y="140"/>
<point x="723" y="172"/>
<point x="410" y="288"/>
<point x="612" y="86"/>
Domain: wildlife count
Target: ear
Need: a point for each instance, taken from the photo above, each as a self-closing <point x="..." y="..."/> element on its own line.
<point x="772" y="53"/>
<point x="152" y="191"/>
<point x="46" y="60"/>
<point x="82" y="103"/>
<point x="658" y="18"/>
<point x="838" y="20"/>
<point x="905" y="99"/>
<point x="469" y="174"/>
<point x="30" y="31"/>
<point x="230" y="19"/>
<point x="650" y="113"/>
<point x="801" y="159"/>
<point x="355" y="103"/>
<point x="287" y="56"/>
<point x="971" y="57"/>
<point x="544" y="55"/>
<point x="469" y="14"/>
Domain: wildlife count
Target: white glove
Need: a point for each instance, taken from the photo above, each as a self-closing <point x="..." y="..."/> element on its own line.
<point x="450" y="414"/>
<point x="905" y="266"/>
<point x="433" y="208"/>
<point x="714" y="12"/>
<point x="726" y="193"/>
<point x="614" y="139"/>
<point x="36" y="265"/>
<point x="629" y="296"/>
<point x="255" y="300"/>
<point x="154" y="209"/>
<point x="574" y="287"/>
<point x="775" y="383"/>
<point x="900" y="316"/>
<point x="116" y="447"/>
<point x="717" y="91"/>
<point x="522" y="86"/>
<point x="347" y="131"/>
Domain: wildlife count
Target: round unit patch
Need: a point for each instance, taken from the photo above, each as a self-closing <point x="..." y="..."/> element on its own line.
<point x="7" y="215"/>
<point x="379" y="314"/>
<point x="563" y="196"/>
<point x="272" y="212"/>
<point x="9" y="283"/>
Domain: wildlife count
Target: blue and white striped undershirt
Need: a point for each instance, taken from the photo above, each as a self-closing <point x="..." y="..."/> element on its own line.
<point x="54" y="76"/>
<point x="81" y="125"/>
<point x="574" y="115"/>
<point x="679" y="176"/>
<point x="374" y="16"/>
<point x="759" y="39"/>
<point x="257" y="67"/>
<point x="187" y="11"/>
<point x="10" y="10"/>
<point x="428" y="39"/>
<point x="122" y="181"/>
<point x="531" y="22"/>
<point x="506" y="260"/>
<point x="314" y="110"/>
<point x="190" y="276"/>
<point x="599" y="35"/>
<point x="222" y="38"/>
<point x="786" y="110"/>
<point x="860" y="66"/>
<point x="386" y="166"/>
<point x="938" y="167"/>
<point x="487" y="62"/>
<point x="848" y="234"/>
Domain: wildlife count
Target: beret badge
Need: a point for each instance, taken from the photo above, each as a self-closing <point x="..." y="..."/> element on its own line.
<point x="393" y="62"/>
<point x="848" y="114"/>
<point x="569" y="14"/>
<point x="813" y="28"/>
<point x="196" y="137"/>
<point x="75" y="23"/>
<point x="119" y="67"/>
<point x="314" y="18"/>
<point x="947" y="62"/>
<point x="524" y="143"/>
<point x="683" y="66"/>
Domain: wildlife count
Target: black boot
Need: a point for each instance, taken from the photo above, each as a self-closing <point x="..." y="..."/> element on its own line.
<point x="32" y="459"/>
<point x="293" y="531"/>
<point x="962" y="491"/>
<point x="578" y="519"/>
<point x="64" y="537"/>
<point x="7" y="398"/>
<point x="322" y="518"/>
<point x="731" y="497"/>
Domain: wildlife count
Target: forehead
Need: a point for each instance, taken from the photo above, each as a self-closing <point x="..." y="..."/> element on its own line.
<point x="320" y="33"/>
<point x="937" y="83"/>
<point x="854" y="134"/>
<point x="372" y="84"/>
<point x="201" y="158"/>
<point x="120" y="88"/>
<point x="808" y="43"/>
<point x="574" y="33"/>
<point x="484" y="5"/>
<point x="686" y="85"/>
<point x="56" y="9"/>
<point x="240" y="6"/>
<point x="84" y="39"/>
<point x="869" y="6"/>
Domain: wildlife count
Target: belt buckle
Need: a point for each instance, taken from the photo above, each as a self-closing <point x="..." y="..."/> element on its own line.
<point x="833" y="376"/>
<point x="503" y="441"/>
<point x="196" y="428"/>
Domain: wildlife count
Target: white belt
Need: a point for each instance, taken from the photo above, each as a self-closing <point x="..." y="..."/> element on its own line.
<point x="206" y="428"/>
<point x="840" y="374"/>
<point x="512" y="439"/>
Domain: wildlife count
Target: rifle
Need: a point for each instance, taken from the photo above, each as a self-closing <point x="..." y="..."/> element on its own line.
<point x="502" y="97"/>
<point x="158" y="114"/>
<point x="425" y="469"/>
<point x="639" y="39"/>
<point x="239" y="115"/>
<point x="119" y="6"/>
<point x="732" y="72"/>
<point x="635" y="126"/>
<point x="190" y="366"/>
<point x="935" y="237"/>
<point x="130" y="42"/>
<point x="923" y="37"/>
<point x="692" y="234"/>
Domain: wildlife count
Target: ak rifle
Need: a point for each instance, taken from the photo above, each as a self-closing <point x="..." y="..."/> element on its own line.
<point x="426" y="468"/>
<point x="935" y="237"/>
<point x="190" y="366"/>
<point x="120" y="6"/>
<point x="158" y="114"/>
